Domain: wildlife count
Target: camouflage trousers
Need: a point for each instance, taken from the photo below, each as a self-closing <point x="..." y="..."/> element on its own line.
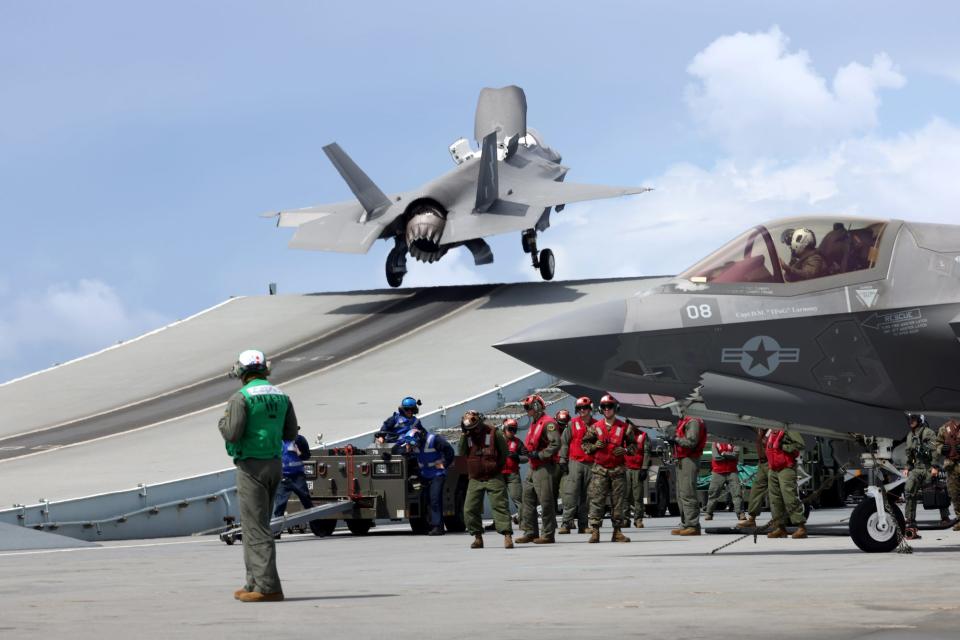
<point x="538" y="490"/>
<point x="953" y="486"/>
<point x="719" y="482"/>
<point x="575" y="489"/>
<point x="785" y="503"/>
<point x="636" y="492"/>
<point x="607" y="484"/>
<point x="496" y="492"/>
<point x="758" y="491"/>
<point x="257" y="482"/>
<point x="917" y="479"/>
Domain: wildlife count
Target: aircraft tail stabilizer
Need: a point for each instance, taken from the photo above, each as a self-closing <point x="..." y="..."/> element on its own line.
<point x="488" y="188"/>
<point x="373" y="200"/>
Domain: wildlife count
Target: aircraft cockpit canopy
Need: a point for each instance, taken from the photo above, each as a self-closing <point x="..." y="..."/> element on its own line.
<point x="793" y="250"/>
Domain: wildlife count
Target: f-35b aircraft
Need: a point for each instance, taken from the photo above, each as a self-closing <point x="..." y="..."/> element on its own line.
<point x="830" y="326"/>
<point x="510" y="184"/>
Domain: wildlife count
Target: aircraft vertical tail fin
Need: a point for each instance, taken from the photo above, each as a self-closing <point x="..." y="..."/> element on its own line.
<point x="488" y="188"/>
<point x="373" y="200"/>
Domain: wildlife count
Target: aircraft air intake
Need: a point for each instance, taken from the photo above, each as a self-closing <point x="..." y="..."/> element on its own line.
<point x="424" y="230"/>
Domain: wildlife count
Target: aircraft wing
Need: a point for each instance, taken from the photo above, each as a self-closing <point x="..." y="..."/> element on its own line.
<point x="335" y="227"/>
<point x="540" y="194"/>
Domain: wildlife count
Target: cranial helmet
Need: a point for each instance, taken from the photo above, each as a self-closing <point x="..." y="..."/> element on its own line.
<point x="802" y="239"/>
<point x="471" y="420"/>
<point x="410" y="404"/>
<point x="250" y="362"/>
<point x="609" y="400"/>
<point x="535" y="403"/>
<point x="919" y="417"/>
<point x="563" y="416"/>
<point x="510" y="425"/>
<point x="584" y="402"/>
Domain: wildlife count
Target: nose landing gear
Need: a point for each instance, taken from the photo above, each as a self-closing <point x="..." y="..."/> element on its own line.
<point x="543" y="259"/>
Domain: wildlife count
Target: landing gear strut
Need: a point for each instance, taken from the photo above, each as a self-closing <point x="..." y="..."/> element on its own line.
<point x="542" y="259"/>
<point x="396" y="266"/>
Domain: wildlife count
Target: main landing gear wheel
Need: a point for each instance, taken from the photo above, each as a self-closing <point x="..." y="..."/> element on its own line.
<point x="873" y="532"/>
<point x="547" y="264"/>
<point x="544" y="260"/>
<point x="396" y="266"/>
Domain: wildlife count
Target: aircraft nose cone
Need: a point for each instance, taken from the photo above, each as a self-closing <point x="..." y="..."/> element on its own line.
<point x="575" y="346"/>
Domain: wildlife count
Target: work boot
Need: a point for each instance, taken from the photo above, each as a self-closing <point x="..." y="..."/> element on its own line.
<point x="525" y="538"/>
<point x="255" y="596"/>
<point x="956" y="527"/>
<point x="800" y="533"/>
<point x="436" y="531"/>
<point x="689" y="531"/>
<point x="638" y="524"/>
<point x="583" y="530"/>
<point x="564" y="529"/>
<point x="477" y="542"/>
<point x="945" y="522"/>
<point x="676" y="532"/>
<point x="508" y="541"/>
<point x="240" y="592"/>
<point x="544" y="540"/>
<point x="618" y="536"/>
<point x="779" y="532"/>
<point x="741" y="516"/>
<point x="708" y="516"/>
<point x="749" y="523"/>
<point x="594" y="536"/>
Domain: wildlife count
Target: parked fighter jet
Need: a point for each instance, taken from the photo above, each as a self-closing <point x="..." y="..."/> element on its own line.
<point x="510" y="184"/>
<point x="830" y="326"/>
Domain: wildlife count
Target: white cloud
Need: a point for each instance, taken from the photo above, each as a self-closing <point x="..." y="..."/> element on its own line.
<point x="69" y="319"/>
<point x="456" y="267"/>
<point x="756" y="96"/>
<point x="693" y="210"/>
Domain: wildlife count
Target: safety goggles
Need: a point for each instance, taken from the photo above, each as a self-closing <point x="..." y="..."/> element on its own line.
<point x="605" y="407"/>
<point x="528" y="407"/>
<point x="584" y="407"/>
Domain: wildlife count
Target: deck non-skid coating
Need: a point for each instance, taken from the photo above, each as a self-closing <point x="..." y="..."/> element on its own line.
<point x="445" y="359"/>
<point x="394" y="585"/>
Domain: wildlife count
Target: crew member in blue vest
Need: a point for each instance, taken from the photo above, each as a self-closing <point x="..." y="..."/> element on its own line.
<point x="294" y="481"/>
<point x="434" y="455"/>
<point x="402" y="421"/>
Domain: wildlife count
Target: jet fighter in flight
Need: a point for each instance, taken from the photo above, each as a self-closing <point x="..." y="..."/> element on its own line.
<point x="510" y="184"/>
<point x="828" y="326"/>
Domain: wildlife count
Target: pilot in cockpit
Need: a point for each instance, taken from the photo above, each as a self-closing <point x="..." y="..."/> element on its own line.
<point x="805" y="262"/>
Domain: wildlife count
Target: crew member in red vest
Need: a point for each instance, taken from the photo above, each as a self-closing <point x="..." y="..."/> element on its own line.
<point x="637" y="463"/>
<point x="783" y="449"/>
<point x="543" y="448"/>
<point x="688" y="443"/>
<point x="560" y="475"/>
<point x="609" y="440"/>
<point x="578" y="465"/>
<point x="724" y="476"/>
<point x="516" y="455"/>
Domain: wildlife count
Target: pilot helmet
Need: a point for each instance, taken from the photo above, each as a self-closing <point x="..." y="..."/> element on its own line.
<point x="250" y="362"/>
<point x="802" y="239"/>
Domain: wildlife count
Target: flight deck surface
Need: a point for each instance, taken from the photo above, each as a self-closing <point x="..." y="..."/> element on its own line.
<point x="397" y="585"/>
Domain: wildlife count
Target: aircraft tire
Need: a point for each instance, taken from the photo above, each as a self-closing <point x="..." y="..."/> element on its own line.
<point x="863" y="529"/>
<point x="547" y="264"/>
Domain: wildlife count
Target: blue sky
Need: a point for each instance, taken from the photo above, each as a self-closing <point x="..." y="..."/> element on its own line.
<point x="139" y="143"/>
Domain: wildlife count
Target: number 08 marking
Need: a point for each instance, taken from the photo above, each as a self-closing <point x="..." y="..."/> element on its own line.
<point x="695" y="312"/>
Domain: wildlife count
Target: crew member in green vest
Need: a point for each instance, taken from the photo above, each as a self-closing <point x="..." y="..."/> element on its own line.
<point x="258" y="418"/>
